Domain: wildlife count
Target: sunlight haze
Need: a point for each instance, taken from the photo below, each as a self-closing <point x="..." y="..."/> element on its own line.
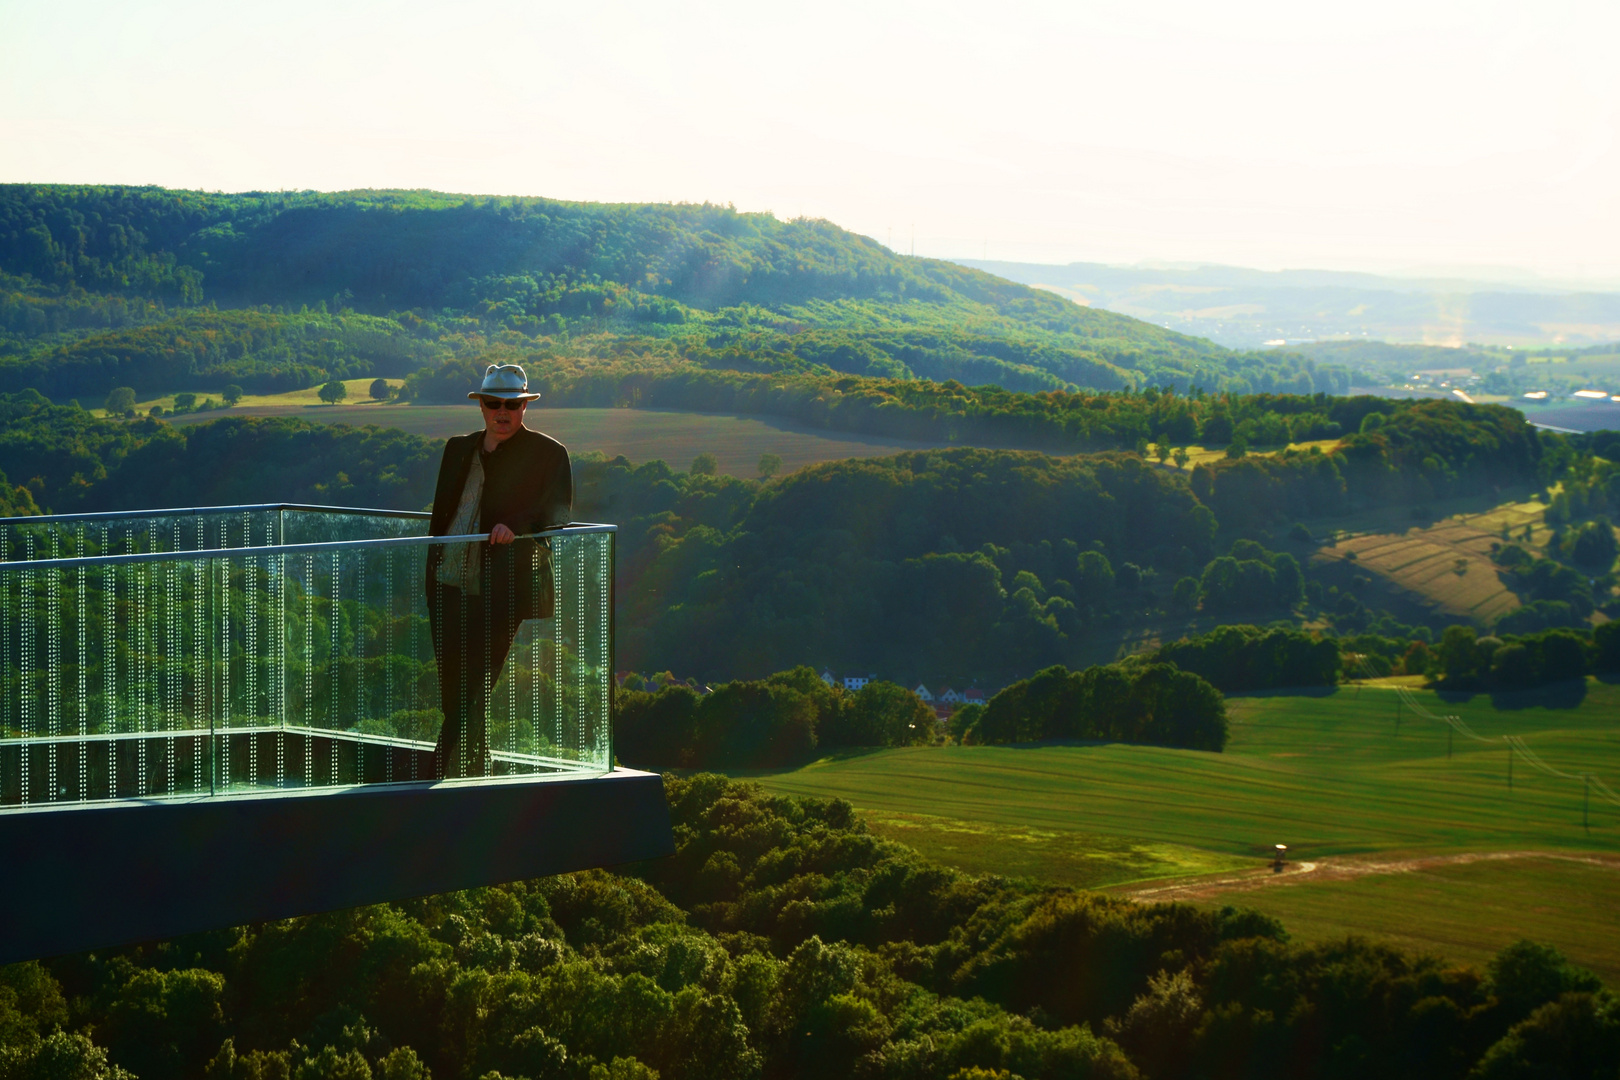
<point x="1422" y="137"/>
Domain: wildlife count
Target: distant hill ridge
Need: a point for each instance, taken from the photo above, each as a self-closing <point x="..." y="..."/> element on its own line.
<point x="669" y="283"/>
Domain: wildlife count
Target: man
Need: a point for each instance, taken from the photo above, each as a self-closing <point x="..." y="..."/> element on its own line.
<point x="503" y="482"/>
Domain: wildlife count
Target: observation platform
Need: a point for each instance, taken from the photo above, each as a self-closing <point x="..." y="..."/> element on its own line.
<point x="225" y="715"/>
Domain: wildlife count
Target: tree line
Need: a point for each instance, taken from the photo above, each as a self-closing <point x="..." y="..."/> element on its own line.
<point x="783" y="940"/>
<point x="784" y="719"/>
<point x="954" y="564"/>
<point x="791" y="717"/>
<point x="1149" y="703"/>
<point x="1169" y="696"/>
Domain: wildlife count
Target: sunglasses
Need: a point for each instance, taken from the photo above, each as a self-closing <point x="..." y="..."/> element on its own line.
<point x="513" y="404"/>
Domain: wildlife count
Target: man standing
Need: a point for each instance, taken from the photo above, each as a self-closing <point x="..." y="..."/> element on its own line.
<point x="503" y="482"/>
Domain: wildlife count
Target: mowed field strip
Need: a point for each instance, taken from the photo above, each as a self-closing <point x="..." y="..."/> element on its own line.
<point x="641" y="435"/>
<point x="1326" y="773"/>
<point x="1445" y="563"/>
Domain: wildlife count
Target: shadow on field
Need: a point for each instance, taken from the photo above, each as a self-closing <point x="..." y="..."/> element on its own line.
<point x="1560" y="695"/>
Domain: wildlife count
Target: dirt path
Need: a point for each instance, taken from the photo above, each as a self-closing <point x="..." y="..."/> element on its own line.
<point x="1341" y="869"/>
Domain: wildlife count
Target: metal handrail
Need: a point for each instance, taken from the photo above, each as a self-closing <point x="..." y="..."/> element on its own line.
<point x="117" y="515"/>
<point x="572" y="529"/>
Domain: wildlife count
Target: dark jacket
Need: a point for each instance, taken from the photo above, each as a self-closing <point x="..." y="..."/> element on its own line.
<point x="528" y="486"/>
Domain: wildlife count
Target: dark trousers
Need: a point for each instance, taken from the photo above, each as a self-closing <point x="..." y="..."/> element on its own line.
<point x="471" y="637"/>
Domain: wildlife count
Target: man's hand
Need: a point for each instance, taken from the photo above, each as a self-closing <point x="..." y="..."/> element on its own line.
<point x="500" y="534"/>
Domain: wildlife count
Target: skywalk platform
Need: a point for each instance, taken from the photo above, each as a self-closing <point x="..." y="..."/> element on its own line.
<point x="225" y="715"/>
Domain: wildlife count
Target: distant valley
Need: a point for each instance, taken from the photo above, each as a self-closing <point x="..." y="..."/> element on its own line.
<point x="1245" y="309"/>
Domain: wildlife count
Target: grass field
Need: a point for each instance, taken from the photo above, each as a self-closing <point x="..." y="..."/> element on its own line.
<point x="1328" y="774"/>
<point x="1463" y="910"/>
<point x="737" y="442"/>
<point x="1198" y="455"/>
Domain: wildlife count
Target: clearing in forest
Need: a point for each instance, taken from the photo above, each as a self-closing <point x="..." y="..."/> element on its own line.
<point x="1443" y="565"/>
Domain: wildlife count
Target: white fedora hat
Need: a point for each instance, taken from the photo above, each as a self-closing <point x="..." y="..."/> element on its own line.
<point x="505" y="381"/>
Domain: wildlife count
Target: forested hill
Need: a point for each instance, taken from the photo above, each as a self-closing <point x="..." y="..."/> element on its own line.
<point x="97" y="281"/>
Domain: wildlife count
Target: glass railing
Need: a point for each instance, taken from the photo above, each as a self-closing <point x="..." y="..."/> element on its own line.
<point x="206" y="652"/>
<point x="208" y="528"/>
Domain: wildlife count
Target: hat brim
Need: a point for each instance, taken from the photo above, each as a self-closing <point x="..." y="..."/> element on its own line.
<point x="505" y="395"/>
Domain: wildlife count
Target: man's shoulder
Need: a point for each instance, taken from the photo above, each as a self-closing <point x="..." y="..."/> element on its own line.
<point x="538" y="442"/>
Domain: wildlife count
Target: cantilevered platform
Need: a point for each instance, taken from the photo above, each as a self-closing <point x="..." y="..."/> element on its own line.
<point x="101" y="874"/>
<point x="229" y="714"/>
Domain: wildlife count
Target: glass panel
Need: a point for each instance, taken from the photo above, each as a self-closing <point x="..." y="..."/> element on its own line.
<point x="201" y="529"/>
<point x="179" y="671"/>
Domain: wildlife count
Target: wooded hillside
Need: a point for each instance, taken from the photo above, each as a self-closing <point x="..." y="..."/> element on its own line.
<point x="458" y="275"/>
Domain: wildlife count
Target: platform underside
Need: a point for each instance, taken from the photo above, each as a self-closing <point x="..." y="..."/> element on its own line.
<point x="88" y="875"/>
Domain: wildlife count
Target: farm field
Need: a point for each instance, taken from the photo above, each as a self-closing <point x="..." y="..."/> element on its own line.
<point x="1465" y="908"/>
<point x="358" y="391"/>
<point x="1448" y="563"/>
<point x="639" y="434"/>
<point x="1440" y="562"/>
<point x="1327" y="773"/>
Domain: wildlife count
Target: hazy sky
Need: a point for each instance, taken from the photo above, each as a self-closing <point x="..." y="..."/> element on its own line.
<point x="1408" y="135"/>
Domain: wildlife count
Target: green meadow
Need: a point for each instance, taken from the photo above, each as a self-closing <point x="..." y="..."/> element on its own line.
<point x="1465" y="911"/>
<point x="1345" y="774"/>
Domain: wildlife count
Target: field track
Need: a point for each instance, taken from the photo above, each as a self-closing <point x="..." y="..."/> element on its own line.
<point x="1340" y="870"/>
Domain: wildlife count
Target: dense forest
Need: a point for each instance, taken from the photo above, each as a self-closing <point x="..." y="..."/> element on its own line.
<point x="106" y="286"/>
<point x="954" y="564"/>
<point x="784" y="941"/>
